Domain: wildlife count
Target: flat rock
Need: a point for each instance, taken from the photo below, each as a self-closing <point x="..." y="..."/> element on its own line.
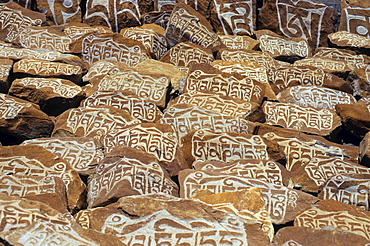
<point x="15" y="19"/>
<point x="234" y="18"/>
<point x="188" y="25"/>
<point x="331" y="214"/>
<point x="76" y="30"/>
<point x="314" y="174"/>
<point x="83" y="154"/>
<point x="184" y="118"/>
<point x="326" y="64"/>
<point x="264" y="170"/>
<point x="6" y="66"/>
<point x="182" y="55"/>
<point x="20" y="120"/>
<point x="138" y="108"/>
<point x="242" y="55"/>
<point x="104" y="67"/>
<point x="204" y="77"/>
<point x="53" y="95"/>
<point x="145" y="84"/>
<point x="59" y="12"/>
<point x="306" y="119"/>
<point x="304" y="236"/>
<point x="44" y="38"/>
<point x="154" y="138"/>
<point x="355" y="118"/>
<point x="96" y="47"/>
<point x="347" y="39"/>
<point x="36" y="160"/>
<point x="354" y="18"/>
<point x="238" y="42"/>
<point x="299" y="19"/>
<point x="283" y="204"/>
<point x="350" y="188"/>
<point x="187" y="222"/>
<point x="315" y="96"/>
<point x="155" y="42"/>
<point x="202" y="145"/>
<point x="126" y="172"/>
<point x="92" y="121"/>
<point x="281" y="78"/>
<point x="224" y="105"/>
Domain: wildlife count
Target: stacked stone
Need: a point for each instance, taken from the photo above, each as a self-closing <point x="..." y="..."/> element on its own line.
<point x="184" y="123"/>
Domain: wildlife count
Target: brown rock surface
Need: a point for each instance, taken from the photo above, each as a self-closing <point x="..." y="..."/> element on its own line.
<point x="354" y="17"/>
<point x="159" y="18"/>
<point x="359" y="79"/>
<point x="6" y="66"/>
<point x="365" y="150"/>
<point x="36" y="160"/>
<point x="53" y="95"/>
<point x="239" y="42"/>
<point x="82" y="154"/>
<point x="242" y="55"/>
<point x="347" y="39"/>
<point x="59" y="12"/>
<point x="76" y="30"/>
<point x="355" y="118"/>
<point x="104" y="67"/>
<point x="326" y="64"/>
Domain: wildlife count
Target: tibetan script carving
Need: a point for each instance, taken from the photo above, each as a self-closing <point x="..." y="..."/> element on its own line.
<point x="263" y="59"/>
<point x="46" y="68"/>
<point x="344" y="38"/>
<point x="355" y="20"/>
<point x="10" y="108"/>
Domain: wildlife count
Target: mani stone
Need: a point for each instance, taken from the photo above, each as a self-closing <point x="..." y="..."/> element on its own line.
<point x="16" y="18"/>
<point x="83" y="154"/>
<point x="126" y="172"/>
<point x="44" y="38"/>
<point x="316" y="172"/>
<point x="224" y="105"/>
<point x="351" y="40"/>
<point x="20" y="120"/>
<point x="283" y="204"/>
<point x="359" y="79"/>
<point x="202" y="145"/>
<point x="151" y="36"/>
<point x="111" y="46"/>
<point x="138" y="108"/>
<point x="326" y="64"/>
<point x="59" y="12"/>
<point x="148" y="85"/>
<point x="159" y="219"/>
<point x="247" y="204"/>
<point x="278" y="46"/>
<point x="54" y="96"/>
<point x="355" y="118"/>
<point x="264" y="170"/>
<point x="233" y="18"/>
<point x="188" y="25"/>
<point x="355" y="17"/>
<point x="238" y="42"/>
<point x="92" y="121"/>
<point x="163" y="6"/>
<point x="281" y="78"/>
<point x="184" y="54"/>
<point x="184" y="118"/>
<point x="68" y="234"/>
<point x="306" y="19"/>
<point x="76" y="30"/>
<point x="6" y="66"/>
<point x="47" y="189"/>
<point x="350" y="188"/>
<point x="306" y="119"/>
<point x="330" y="214"/>
<point x="315" y="96"/>
<point x="304" y="236"/>
<point x="159" y="18"/>
<point x="204" y="78"/>
<point x="156" y="139"/>
<point x="36" y="160"/>
<point x="104" y="67"/>
<point x="365" y="150"/>
<point x="243" y="55"/>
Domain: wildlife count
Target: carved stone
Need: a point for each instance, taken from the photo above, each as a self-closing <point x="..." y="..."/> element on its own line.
<point x="20" y="120"/>
<point x="239" y="42"/>
<point x="242" y="55"/>
<point x="359" y="79"/>
<point x="75" y="30"/>
<point x="6" y="66"/>
<point x="347" y="39"/>
<point x="104" y="67"/>
<point x="53" y="95"/>
<point x="326" y="64"/>
<point x="306" y="119"/>
<point x="125" y="172"/>
<point x="59" y="12"/>
<point x="355" y="118"/>
<point x="355" y="17"/>
<point x="299" y="19"/>
<point x="82" y="154"/>
<point x="283" y="204"/>
<point x="365" y="150"/>
<point x="159" y="18"/>
<point x="36" y="160"/>
<point x="138" y="108"/>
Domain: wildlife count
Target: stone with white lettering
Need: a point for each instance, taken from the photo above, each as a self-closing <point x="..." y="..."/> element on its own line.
<point x="326" y="64"/>
<point x="355" y="118"/>
<point x="54" y="96"/>
<point x="6" y="66"/>
<point x="306" y="119"/>
<point x="159" y="18"/>
<point x="355" y="17"/>
<point x="82" y="153"/>
<point x="76" y="30"/>
<point x="59" y="12"/>
<point x="299" y="19"/>
<point x="126" y="172"/>
<point x="347" y="39"/>
<point x="242" y="55"/>
<point x="239" y="42"/>
<point x="21" y="120"/>
<point x="104" y="67"/>
<point x="36" y="160"/>
<point x="283" y="204"/>
<point x="315" y="96"/>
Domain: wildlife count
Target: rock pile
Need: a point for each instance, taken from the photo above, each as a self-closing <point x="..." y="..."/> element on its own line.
<point x="184" y="123"/>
